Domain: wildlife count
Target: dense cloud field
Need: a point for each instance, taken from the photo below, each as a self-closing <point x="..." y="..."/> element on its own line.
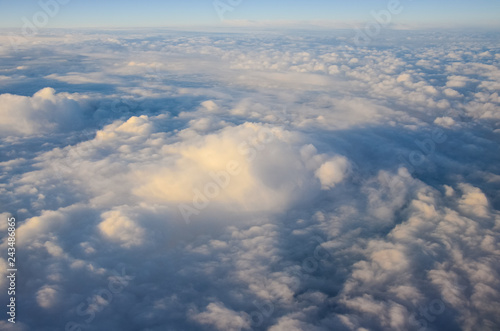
<point x="265" y="180"/>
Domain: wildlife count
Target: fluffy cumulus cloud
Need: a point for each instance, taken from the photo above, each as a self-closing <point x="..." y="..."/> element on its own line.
<point x="332" y="172"/>
<point x="255" y="181"/>
<point x="120" y="228"/>
<point x="44" y="112"/>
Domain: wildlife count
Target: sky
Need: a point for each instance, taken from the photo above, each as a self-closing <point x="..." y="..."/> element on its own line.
<point x="156" y="13"/>
<point x="233" y="179"/>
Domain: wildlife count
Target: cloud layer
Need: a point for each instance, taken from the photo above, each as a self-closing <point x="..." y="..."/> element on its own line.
<point x="266" y="181"/>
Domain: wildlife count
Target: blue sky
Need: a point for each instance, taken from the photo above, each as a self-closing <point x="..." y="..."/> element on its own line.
<point x="129" y="13"/>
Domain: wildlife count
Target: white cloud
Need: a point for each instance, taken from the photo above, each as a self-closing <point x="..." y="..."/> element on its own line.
<point x="457" y="81"/>
<point x="120" y="228"/>
<point x="474" y="201"/>
<point x="45" y="112"/>
<point x="220" y="317"/>
<point x="332" y="172"/>
<point x="451" y="93"/>
<point x="445" y="121"/>
<point x="47" y="297"/>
